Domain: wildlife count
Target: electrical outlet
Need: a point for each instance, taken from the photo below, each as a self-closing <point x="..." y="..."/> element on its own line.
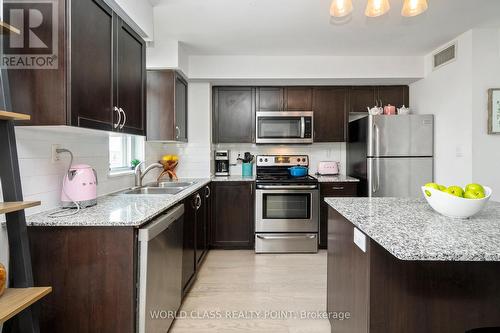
<point x="56" y="157"/>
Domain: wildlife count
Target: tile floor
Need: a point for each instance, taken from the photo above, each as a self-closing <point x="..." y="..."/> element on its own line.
<point x="240" y="287"/>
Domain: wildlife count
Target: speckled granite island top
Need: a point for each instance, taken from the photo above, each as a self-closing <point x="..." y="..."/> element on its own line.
<point x="125" y="210"/>
<point x="410" y="230"/>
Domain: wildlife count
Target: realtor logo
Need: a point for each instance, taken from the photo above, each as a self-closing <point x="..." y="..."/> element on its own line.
<point x="36" y="44"/>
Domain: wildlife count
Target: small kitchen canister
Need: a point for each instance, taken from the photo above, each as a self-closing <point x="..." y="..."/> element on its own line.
<point x="247" y="169"/>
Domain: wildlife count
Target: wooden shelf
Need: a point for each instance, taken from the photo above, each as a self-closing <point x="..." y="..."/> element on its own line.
<point x="6" y="115"/>
<point x="7" y="28"/>
<point x="9" y="207"/>
<point x="15" y="300"/>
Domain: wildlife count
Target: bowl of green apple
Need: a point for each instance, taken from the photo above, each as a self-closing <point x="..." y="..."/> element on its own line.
<point x="455" y="201"/>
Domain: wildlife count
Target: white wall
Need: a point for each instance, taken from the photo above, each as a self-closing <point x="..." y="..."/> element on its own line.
<point x="457" y="95"/>
<point x="305" y="67"/>
<point x="317" y="152"/>
<point x="486" y="75"/>
<point x="447" y="94"/>
<point x="140" y="12"/>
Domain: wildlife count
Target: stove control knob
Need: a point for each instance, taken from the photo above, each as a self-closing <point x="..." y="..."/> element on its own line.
<point x="260" y="159"/>
<point x="265" y="160"/>
<point x="303" y="160"/>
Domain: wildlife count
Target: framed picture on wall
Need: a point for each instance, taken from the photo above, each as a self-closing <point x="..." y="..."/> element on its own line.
<point x="494" y="111"/>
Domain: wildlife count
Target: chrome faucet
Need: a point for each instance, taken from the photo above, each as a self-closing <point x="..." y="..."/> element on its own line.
<point x="139" y="175"/>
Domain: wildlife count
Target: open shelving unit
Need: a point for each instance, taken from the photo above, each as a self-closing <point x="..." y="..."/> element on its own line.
<point x="16" y="303"/>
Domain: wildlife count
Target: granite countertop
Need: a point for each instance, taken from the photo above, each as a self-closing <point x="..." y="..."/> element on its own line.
<point x="119" y="210"/>
<point x="335" y="179"/>
<point x="411" y="230"/>
<point x="233" y="178"/>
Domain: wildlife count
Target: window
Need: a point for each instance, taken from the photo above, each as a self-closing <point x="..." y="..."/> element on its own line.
<point x="123" y="150"/>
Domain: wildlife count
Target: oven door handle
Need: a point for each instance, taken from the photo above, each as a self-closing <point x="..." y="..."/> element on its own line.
<point x="286" y="237"/>
<point x="286" y="187"/>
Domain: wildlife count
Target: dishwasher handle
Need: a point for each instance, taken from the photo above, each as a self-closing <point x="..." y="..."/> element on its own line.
<point x="160" y="224"/>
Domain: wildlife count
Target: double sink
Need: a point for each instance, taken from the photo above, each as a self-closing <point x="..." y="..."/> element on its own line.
<point x="171" y="188"/>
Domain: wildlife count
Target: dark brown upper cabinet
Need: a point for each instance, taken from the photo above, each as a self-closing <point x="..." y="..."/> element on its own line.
<point x="166" y="106"/>
<point x="233" y="115"/>
<point x="362" y="97"/>
<point x="269" y="99"/>
<point x="100" y="79"/>
<point x="298" y="98"/>
<point x="394" y="95"/>
<point x="330" y="114"/>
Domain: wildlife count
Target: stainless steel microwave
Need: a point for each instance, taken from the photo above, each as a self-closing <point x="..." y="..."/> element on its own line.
<point x="284" y="127"/>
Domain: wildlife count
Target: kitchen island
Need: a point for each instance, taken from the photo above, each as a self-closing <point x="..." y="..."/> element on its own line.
<point x="397" y="266"/>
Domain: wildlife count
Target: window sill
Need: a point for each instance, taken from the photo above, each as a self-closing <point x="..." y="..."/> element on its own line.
<point x="113" y="174"/>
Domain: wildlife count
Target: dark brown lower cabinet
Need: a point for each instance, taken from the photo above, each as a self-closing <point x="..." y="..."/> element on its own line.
<point x="386" y="295"/>
<point x="93" y="274"/>
<point x="346" y="189"/>
<point x="232" y="225"/>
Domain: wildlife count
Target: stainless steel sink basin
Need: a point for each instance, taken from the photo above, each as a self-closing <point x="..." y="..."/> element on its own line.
<point x="171" y="184"/>
<point x="160" y="188"/>
<point x="153" y="190"/>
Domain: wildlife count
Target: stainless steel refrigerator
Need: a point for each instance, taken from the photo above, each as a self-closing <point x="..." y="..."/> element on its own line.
<point x="391" y="155"/>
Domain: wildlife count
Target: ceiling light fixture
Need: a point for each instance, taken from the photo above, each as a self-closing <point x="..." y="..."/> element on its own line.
<point x="341" y="8"/>
<point x="414" y="7"/>
<point x="376" y="8"/>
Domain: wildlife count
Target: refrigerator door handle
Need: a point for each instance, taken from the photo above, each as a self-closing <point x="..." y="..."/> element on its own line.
<point x="376" y="185"/>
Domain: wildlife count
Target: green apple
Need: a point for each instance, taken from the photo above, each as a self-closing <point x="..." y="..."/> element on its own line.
<point x="470" y="194"/>
<point x="474" y="188"/>
<point x="442" y="188"/>
<point x="432" y="185"/>
<point x="456" y="191"/>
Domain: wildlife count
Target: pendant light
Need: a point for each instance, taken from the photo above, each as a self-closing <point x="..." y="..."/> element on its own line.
<point x="341" y="8"/>
<point x="376" y="8"/>
<point x="414" y="7"/>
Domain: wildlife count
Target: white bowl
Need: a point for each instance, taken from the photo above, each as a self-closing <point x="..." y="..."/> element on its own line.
<point x="455" y="207"/>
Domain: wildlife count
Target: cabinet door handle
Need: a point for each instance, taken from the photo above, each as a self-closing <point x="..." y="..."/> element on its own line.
<point x="198" y="201"/>
<point x="124" y="118"/>
<point x="177" y="132"/>
<point x="338" y="188"/>
<point x="208" y="192"/>
<point x="119" y="117"/>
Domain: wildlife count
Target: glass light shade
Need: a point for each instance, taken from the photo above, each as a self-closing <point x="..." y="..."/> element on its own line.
<point x="414" y="7"/>
<point x="376" y="8"/>
<point x="341" y="8"/>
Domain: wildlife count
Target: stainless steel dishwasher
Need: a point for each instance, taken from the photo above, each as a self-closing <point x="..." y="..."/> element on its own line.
<point x="160" y="271"/>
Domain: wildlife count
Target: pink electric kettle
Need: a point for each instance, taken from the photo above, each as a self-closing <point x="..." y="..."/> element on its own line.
<point x="79" y="187"/>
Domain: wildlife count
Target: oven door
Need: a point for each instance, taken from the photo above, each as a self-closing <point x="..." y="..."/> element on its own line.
<point x="286" y="208"/>
<point x="283" y="127"/>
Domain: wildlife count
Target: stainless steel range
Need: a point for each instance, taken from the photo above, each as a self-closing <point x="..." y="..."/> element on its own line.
<point x="286" y="208"/>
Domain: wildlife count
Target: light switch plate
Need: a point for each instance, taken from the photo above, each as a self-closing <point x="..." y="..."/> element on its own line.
<point x="360" y="239"/>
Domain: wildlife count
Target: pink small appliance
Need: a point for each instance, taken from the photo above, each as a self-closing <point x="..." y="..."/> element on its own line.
<point x="79" y="186"/>
<point x="328" y="168"/>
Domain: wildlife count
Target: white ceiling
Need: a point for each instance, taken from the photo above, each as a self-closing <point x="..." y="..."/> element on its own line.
<point x="304" y="27"/>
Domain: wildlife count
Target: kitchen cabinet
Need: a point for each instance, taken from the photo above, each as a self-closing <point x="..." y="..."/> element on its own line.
<point x="93" y="272"/>
<point x="330" y="114"/>
<point x="298" y="98"/>
<point x="100" y="79"/>
<point x="340" y="189"/>
<point x="202" y="224"/>
<point x="189" y="246"/>
<point x="166" y="106"/>
<point x="269" y="99"/>
<point x="232" y="225"/>
<point x="234" y="115"/>
<point x="361" y="97"/>
<point x="394" y="95"/>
